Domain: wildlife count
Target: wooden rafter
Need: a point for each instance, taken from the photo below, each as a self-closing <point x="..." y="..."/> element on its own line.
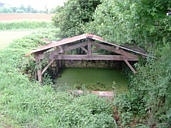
<point x="114" y="49"/>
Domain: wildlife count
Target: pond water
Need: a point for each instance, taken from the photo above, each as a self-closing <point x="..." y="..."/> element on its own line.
<point x="92" y="79"/>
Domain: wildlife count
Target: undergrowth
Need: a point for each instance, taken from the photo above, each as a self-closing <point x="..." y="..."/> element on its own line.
<point x="27" y="104"/>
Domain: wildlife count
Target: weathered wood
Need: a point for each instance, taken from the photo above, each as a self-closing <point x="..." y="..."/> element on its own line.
<point x="129" y="65"/>
<point x="47" y="66"/>
<point x="39" y="72"/>
<point x="84" y="49"/>
<point x="89" y="48"/>
<point x="61" y="49"/>
<point x="60" y="63"/>
<point x="74" y="46"/>
<point x="113" y="49"/>
<point x="93" y="57"/>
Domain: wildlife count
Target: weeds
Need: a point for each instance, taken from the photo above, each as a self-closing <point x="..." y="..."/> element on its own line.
<point x="28" y="104"/>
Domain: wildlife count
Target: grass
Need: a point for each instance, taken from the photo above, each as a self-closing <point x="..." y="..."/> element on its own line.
<point x="6" y="37"/>
<point x="24" y="25"/>
<point x="18" y="29"/>
<point x="25" y="103"/>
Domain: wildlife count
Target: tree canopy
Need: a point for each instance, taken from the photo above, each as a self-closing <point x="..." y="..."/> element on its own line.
<point x="130" y="21"/>
<point x="120" y="21"/>
<point x="72" y="18"/>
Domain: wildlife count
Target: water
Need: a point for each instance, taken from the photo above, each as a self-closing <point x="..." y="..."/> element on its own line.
<point x="93" y="79"/>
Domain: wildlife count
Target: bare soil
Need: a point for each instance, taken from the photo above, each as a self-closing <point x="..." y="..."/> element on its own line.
<point x="25" y="16"/>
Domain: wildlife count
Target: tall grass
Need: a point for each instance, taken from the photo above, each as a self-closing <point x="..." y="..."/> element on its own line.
<point x="24" y="25"/>
<point x="27" y="104"/>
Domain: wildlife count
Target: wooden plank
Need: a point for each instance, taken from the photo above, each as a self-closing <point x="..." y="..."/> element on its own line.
<point x="129" y="65"/>
<point x="93" y="57"/>
<point x="47" y="66"/>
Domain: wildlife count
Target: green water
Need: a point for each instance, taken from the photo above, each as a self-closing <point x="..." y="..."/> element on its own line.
<point x="93" y="79"/>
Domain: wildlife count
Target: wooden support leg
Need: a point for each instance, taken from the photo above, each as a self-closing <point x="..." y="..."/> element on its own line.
<point x="129" y="65"/>
<point x="39" y="74"/>
<point x="60" y="64"/>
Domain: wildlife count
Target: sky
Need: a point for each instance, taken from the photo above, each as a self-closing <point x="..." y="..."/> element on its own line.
<point x="37" y="4"/>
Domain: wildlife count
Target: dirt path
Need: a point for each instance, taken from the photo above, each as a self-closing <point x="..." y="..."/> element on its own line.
<point x="6" y="37"/>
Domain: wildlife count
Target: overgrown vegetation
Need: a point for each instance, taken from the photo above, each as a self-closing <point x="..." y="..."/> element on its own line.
<point x="75" y="14"/>
<point x="24" y="103"/>
<point x="24" y="25"/>
<point x="143" y="23"/>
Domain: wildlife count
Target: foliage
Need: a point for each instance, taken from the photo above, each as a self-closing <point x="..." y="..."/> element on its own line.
<point x="72" y="18"/>
<point x="24" y="25"/>
<point x="27" y="104"/>
<point x="149" y="96"/>
<point x="129" y="21"/>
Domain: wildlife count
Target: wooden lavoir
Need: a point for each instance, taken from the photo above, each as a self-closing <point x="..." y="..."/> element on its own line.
<point x="85" y="47"/>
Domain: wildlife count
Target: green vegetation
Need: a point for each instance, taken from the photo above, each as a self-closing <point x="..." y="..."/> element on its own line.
<point x="143" y="23"/>
<point x="147" y="104"/>
<point x="75" y="14"/>
<point x="14" y="25"/>
<point x="25" y="103"/>
<point x="140" y="22"/>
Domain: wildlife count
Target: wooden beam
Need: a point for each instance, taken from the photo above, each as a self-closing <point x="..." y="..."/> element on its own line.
<point x="84" y="49"/>
<point x="74" y="46"/>
<point x="93" y="57"/>
<point x="47" y="66"/>
<point x="113" y="49"/>
<point x="61" y="50"/>
<point x="129" y="65"/>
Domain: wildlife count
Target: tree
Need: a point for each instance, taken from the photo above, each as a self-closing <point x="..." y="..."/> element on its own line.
<point x="73" y="17"/>
<point x="127" y="21"/>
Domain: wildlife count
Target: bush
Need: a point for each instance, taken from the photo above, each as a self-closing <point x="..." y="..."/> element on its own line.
<point x="149" y="97"/>
<point x="73" y="17"/>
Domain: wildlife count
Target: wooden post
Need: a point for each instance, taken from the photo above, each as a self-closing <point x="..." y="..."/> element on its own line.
<point x="89" y="48"/>
<point x="129" y="65"/>
<point x="39" y="72"/>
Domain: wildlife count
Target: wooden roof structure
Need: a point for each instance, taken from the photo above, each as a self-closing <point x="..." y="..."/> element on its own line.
<point x="77" y="38"/>
<point x="87" y="44"/>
